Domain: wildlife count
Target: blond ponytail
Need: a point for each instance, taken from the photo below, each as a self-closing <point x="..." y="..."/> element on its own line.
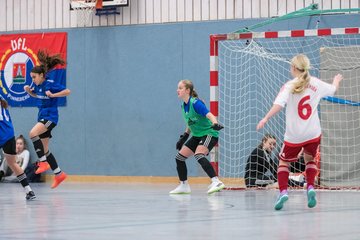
<point x="302" y="64"/>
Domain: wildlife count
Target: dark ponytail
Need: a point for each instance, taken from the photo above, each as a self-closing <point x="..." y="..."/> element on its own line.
<point x="47" y="62"/>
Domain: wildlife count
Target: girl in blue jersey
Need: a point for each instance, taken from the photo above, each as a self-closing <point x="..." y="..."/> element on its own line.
<point x="47" y="91"/>
<point x="7" y="143"/>
<point x="204" y="128"/>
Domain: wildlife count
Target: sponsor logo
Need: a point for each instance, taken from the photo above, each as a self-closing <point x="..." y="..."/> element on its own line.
<point x="15" y="66"/>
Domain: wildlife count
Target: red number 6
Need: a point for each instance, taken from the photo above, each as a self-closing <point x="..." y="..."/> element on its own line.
<point x="304" y="106"/>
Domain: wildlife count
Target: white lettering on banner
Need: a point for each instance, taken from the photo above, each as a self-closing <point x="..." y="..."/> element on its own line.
<point x="18" y="44"/>
<point x="18" y="99"/>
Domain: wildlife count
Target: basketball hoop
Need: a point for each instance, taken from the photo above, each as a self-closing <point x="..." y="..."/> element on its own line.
<point x="85" y="10"/>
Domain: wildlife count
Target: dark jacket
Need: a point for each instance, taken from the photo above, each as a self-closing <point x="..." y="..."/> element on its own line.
<point x="257" y="165"/>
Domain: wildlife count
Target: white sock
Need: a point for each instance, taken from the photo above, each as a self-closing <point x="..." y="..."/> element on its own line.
<point x="27" y="189"/>
<point x="214" y="179"/>
<point x="57" y="171"/>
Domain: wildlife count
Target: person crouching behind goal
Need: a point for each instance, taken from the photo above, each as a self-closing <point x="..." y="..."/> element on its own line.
<point x="302" y="96"/>
<point x="204" y="128"/>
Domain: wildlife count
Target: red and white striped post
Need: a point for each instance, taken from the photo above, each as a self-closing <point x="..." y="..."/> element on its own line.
<point x="214" y="92"/>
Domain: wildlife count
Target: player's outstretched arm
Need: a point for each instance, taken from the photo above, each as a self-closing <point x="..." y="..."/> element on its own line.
<point x="274" y="110"/>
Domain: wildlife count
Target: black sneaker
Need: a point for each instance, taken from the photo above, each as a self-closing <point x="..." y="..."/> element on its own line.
<point x="30" y="195"/>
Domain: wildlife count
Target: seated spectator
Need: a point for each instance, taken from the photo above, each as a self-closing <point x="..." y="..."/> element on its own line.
<point x="22" y="158"/>
<point x="260" y="168"/>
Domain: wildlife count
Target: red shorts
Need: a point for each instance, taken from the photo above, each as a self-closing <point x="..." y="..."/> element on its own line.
<point x="289" y="152"/>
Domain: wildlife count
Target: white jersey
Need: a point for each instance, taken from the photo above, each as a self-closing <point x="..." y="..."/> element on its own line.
<point x="302" y="120"/>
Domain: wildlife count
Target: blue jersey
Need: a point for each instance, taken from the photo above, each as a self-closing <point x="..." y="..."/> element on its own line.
<point x="48" y="107"/>
<point x="6" y="126"/>
<point x="199" y="107"/>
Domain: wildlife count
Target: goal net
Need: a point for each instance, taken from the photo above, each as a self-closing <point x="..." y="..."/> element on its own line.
<point x="247" y="72"/>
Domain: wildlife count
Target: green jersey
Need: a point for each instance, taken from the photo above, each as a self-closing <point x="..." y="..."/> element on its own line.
<point x="199" y="125"/>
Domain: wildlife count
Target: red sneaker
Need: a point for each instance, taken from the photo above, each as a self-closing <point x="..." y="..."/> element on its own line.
<point x="42" y="167"/>
<point x="58" y="179"/>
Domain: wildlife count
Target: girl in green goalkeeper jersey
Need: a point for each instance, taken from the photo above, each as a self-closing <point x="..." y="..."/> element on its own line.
<point x="204" y="127"/>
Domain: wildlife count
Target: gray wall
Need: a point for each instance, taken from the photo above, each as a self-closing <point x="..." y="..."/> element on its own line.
<point x="123" y="116"/>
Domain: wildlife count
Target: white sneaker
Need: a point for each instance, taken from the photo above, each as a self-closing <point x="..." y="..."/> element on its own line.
<point x="183" y="188"/>
<point x="215" y="186"/>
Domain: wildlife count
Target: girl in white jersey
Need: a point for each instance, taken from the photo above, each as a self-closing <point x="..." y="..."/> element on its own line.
<point x="302" y="96"/>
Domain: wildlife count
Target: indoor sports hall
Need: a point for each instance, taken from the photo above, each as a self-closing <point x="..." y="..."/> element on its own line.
<point x="121" y="118"/>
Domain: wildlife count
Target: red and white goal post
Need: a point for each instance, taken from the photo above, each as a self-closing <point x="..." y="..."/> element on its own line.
<point x="246" y="72"/>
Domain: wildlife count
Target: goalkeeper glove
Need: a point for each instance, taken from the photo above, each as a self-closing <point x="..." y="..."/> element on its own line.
<point x="217" y="126"/>
<point x="182" y="140"/>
